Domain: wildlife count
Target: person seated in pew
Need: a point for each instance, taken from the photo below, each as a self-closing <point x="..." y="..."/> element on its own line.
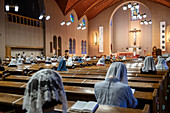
<point x="161" y="64"/>
<point x="62" y="66"/>
<point x="114" y="58"/>
<point x="7" y="58"/>
<point x="54" y="58"/>
<point x="124" y="58"/>
<point x="13" y="63"/>
<point x="76" y="58"/>
<point x="38" y="58"/>
<point x="84" y="58"/>
<point x="43" y="58"/>
<point x="88" y="58"/>
<point x="114" y="90"/>
<point x="28" y="61"/>
<point x="80" y="60"/>
<point x="48" y="61"/>
<point x="1" y="67"/>
<point x="31" y="57"/>
<point x="19" y="61"/>
<point x="44" y="91"/>
<point x="69" y="62"/>
<point x="59" y="59"/>
<point x="149" y="66"/>
<point x="107" y="58"/>
<point x="94" y="58"/>
<point x="101" y="62"/>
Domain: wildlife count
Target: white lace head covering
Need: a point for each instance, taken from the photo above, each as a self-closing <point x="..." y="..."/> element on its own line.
<point x="161" y="64"/>
<point x="19" y="61"/>
<point x="28" y="60"/>
<point x="119" y="71"/>
<point x="149" y="64"/>
<point x="94" y="57"/>
<point x="44" y="87"/>
<point x="88" y="59"/>
<point x="101" y="61"/>
<point x="69" y="62"/>
<point x="48" y="59"/>
<point x="124" y="57"/>
<point x="13" y="62"/>
<point x="84" y="58"/>
<point x="59" y="58"/>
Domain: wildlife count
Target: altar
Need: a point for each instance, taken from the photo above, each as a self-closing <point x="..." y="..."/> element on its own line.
<point x="127" y="54"/>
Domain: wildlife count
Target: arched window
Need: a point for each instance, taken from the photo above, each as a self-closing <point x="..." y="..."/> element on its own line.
<point x="85" y="52"/>
<point x="70" y="46"/>
<point x="82" y="47"/>
<point x="74" y="46"/>
<point x="59" y="46"/>
<point x="55" y="45"/>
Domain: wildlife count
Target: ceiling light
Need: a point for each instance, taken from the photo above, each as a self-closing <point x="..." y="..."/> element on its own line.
<point x="129" y="5"/>
<point x="150" y="22"/>
<point x="137" y="6"/>
<point x="138" y="15"/>
<point x="141" y="22"/>
<point x="132" y="8"/>
<point x="7" y="7"/>
<point x="124" y="7"/>
<point x="144" y="15"/>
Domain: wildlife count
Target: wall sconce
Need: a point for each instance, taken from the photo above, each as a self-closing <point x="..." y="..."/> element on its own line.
<point x="95" y="39"/>
<point x="62" y="23"/>
<point x="68" y="23"/>
<point x="7" y="7"/>
<point x="47" y="17"/>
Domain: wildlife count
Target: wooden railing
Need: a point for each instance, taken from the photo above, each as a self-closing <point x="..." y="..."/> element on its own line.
<point x="10" y="17"/>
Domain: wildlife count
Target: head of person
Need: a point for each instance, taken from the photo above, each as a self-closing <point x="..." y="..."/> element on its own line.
<point x="117" y="70"/>
<point x="43" y="91"/>
<point x="149" y="64"/>
<point x="62" y="66"/>
<point x="161" y="64"/>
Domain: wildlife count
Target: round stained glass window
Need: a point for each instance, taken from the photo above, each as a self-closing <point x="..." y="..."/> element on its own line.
<point x="71" y="18"/>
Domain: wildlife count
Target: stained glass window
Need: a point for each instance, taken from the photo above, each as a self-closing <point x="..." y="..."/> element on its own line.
<point x="70" y="46"/>
<point x="82" y="43"/>
<point x="74" y="46"/>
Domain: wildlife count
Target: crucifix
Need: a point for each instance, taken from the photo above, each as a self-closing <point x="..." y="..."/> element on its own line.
<point x="135" y="35"/>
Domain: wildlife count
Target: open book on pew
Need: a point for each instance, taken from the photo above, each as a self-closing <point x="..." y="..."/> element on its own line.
<point x="82" y="106"/>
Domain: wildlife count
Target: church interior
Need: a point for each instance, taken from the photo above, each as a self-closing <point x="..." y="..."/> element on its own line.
<point x="83" y="41"/>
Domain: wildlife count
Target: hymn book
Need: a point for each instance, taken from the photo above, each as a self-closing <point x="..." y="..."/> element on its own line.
<point x="82" y="106"/>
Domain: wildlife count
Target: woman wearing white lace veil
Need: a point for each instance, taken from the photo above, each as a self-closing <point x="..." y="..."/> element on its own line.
<point x="44" y="90"/>
<point x="114" y="90"/>
<point x="149" y="66"/>
<point x="69" y="62"/>
<point x="19" y="61"/>
<point x="161" y="64"/>
<point x="101" y="62"/>
<point x="13" y="63"/>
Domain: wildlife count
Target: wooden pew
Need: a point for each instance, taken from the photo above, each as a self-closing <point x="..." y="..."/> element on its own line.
<point x="17" y="100"/>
